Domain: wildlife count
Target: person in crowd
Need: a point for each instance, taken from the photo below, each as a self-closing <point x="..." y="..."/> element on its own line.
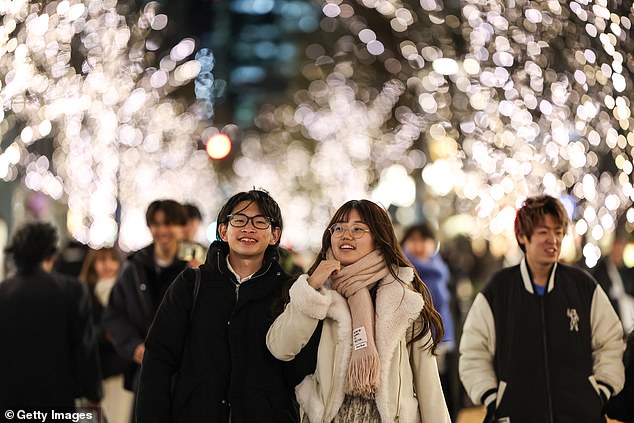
<point x="194" y="219"/>
<point x="621" y="406"/>
<point x="69" y="259"/>
<point x="99" y="271"/>
<point x="206" y="359"/>
<point x="141" y="285"/>
<point x="420" y="246"/>
<point x="377" y="328"/>
<point x="541" y="342"/>
<point x="289" y="262"/>
<point x="48" y="353"/>
<point x="617" y="280"/>
<point x="189" y="248"/>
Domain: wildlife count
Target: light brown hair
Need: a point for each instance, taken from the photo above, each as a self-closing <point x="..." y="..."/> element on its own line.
<point x="532" y="213"/>
<point x="88" y="273"/>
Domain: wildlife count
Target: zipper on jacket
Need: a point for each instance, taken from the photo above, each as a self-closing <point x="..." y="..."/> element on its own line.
<point x="546" y="368"/>
<point x="237" y="284"/>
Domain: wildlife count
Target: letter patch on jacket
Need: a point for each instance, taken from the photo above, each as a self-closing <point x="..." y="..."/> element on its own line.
<point x="574" y="319"/>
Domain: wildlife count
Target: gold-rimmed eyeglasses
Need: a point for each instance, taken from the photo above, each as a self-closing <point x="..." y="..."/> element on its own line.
<point x="355" y="231"/>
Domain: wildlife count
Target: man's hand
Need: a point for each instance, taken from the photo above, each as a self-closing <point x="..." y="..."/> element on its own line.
<point x="195" y="263"/>
<point x="139" y="351"/>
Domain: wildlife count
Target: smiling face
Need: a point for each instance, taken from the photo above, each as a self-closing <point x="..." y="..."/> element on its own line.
<point x="165" y="234"/>
<point x="106" y="266"/>
<point x="544" y="245"/>
<point x="248" y="242"/>
<point x="348" y="250"/>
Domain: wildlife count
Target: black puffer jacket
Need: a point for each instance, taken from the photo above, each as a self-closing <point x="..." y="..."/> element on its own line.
<point x="133" y="302"/>
<point x="213" y="363"/>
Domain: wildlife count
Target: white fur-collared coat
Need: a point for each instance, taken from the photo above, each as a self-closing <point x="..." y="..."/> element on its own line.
<point x="409" y="390"/>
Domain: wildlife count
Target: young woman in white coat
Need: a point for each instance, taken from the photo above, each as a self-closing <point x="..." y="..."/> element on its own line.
<point x="379" y="329"/>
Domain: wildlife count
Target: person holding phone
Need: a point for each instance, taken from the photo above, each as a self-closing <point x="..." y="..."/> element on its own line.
<point x="206" y="358"/>
<point x="140" y="287"/>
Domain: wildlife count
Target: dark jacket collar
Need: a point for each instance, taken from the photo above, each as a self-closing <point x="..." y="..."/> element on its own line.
<point x="145" y="258"/>
<point x="219" y="250"/>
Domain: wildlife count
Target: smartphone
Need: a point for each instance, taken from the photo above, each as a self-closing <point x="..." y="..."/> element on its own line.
<point x="189" y="250"/>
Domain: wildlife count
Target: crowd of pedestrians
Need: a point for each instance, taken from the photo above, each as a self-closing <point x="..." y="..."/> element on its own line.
<point x="237" y="332"/>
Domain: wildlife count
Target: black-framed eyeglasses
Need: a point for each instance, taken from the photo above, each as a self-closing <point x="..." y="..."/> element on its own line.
<point x="239" y="220"/>
<point x="355" y="231"/>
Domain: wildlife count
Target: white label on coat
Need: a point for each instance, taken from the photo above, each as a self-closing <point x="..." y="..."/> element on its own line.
<point x="359" y="338"/>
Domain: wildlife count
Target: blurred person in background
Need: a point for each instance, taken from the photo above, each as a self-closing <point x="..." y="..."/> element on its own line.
<point x="617" y="280"/>
<point x="541" y="342"/>
<point x="189" y="249"/>
<point x="289" y="262"/>
<point x="142" y="283"/>
<point x="621" y="406"/>
<point x="206" y="359"/>
<point x="70" y="258"/>
<point x="375" y="324"/>
<point x="99" y="271"/>
<point x="49" y="355"/>
<point x="194" y="219"/>
<point x="421" y="247"/>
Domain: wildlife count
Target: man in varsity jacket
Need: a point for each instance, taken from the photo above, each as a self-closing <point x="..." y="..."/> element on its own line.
<point x="542" y="343"/>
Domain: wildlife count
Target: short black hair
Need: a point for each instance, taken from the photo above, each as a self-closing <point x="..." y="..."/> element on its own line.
<point x="33" y="243"/>
<point x="192" y="211"/>
<point x="174" y="212"/>
<point x="268" y="206"/>
<point x="423" y="229"/>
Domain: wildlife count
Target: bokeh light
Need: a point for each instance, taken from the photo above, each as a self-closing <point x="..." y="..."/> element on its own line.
<point x="218" y="146"/>
<point x="458" y="110"/>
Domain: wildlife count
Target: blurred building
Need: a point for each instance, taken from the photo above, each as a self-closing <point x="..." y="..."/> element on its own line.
<point x="252" y="49"/>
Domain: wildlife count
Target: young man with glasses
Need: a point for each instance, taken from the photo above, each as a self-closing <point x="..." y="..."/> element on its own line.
<point x="206" y="359"/>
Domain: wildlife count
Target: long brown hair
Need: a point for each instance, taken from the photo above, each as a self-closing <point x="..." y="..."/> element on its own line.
<point x="380" y="225"/>
<point x="88" y="273"/>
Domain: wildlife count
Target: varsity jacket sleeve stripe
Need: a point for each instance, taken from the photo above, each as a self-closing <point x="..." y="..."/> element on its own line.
<point x="607" y="344"/>
<point x="477" y="348"/>
<point x="292" y="330"/>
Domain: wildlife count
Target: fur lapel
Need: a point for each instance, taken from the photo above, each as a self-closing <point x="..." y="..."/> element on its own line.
<point x="340" y="312"/>
<point x="396" y="308"/>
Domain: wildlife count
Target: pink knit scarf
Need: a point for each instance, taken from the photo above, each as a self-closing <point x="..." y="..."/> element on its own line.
<point x="354" y="283"/>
